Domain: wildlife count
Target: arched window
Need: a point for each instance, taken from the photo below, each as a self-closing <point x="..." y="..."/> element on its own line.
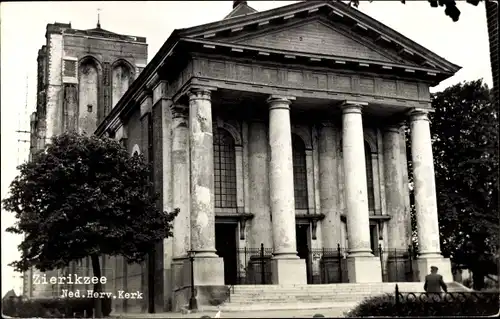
<point x="224" y="169"/>
<point x="122" y="77"/>
<point x="88" y="95"/>
<point x="369" y="177"/>
<point x="299" y="172"/>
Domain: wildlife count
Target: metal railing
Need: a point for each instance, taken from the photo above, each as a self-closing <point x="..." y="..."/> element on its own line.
<point x="254" y="266"/>
<point x="441" y="303"/>
<point x="324" y="265"/>
<point x="331" y="264"/>
<point x="397" y="264"/>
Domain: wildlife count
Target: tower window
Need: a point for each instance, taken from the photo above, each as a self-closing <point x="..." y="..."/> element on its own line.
<point x="89" y="108"/>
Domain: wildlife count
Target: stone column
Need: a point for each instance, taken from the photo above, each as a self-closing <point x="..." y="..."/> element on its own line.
<point x="209" y="268"/>
<point x="180" y="193"/>
<point x="425" y="198"/>
<point x="328" y="190"/>
<point x="362" y="266"/>
<point x="258" y="167"/>
<point x="397" y="226"/>
<point x="287" y="268"/>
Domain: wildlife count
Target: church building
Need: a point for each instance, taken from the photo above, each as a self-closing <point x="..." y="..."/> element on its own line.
<point x="274" y="132"/>
<point x="283" y="129"/>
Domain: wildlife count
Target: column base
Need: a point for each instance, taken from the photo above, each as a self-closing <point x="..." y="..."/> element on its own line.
<point x="364" y="269"/>
<point x="208" y="271"/>
<point x="288" y="271"/>
<point x="443" y="265"/>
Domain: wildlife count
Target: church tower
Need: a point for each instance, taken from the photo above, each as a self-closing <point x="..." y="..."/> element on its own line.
<point x="81" y="75"/>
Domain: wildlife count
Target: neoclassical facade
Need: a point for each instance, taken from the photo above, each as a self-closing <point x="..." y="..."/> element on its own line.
<point x="282" y="129"/>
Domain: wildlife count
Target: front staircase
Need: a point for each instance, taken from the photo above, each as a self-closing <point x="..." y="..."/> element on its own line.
<point x="345" y="296"/>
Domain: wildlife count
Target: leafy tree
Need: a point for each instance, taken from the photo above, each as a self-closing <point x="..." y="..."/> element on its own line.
<point x="465" y="143"/>
<point x="465" y="147"/>
<point x="450" y="10"/>
<point x="85" y="196"/>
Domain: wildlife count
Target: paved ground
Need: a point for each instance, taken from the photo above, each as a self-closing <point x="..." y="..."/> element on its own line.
<point x="333" y="312"/>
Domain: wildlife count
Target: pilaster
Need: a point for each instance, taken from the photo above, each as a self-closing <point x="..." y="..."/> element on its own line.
<point x="260" y="230"/>
<point x="328" y="185"/>
<point x="180" y="191"/>
<point x="397" y="226"/>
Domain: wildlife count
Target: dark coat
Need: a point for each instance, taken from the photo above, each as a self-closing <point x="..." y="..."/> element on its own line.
<point x="434" y="283"/>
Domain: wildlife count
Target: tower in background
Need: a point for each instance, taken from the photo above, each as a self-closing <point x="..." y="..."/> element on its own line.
<point x="81" y="75"/>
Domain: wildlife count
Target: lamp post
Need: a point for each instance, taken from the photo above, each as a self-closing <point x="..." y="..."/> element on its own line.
<point x="193" y="305"/>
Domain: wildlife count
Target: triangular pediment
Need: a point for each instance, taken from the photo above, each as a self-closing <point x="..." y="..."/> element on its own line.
<point x="317" y="37"/>
<point x="329" y="28"/>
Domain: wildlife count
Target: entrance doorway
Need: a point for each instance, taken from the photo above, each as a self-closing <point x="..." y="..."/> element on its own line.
<point x="226" y="246"/>
<point x="303" y="248"/>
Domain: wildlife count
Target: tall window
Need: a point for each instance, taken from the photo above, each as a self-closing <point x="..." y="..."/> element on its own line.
<point x="299" y="172"/>
<point x="224" y="169"/>
<point x="369" y="177"/>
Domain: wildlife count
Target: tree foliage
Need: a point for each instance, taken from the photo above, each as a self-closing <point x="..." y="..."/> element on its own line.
<point x="465" y="148"/>
<point x="84" y="196"/>
<point x="465" y="144"/>
<point x="450" y="10"/>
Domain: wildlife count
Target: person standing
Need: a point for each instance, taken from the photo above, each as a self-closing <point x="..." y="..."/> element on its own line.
<point x="434" y="282"/>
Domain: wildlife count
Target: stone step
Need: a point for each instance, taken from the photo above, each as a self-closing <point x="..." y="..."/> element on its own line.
<point x="294" y="300"/>
<point x="327" y="292"/>
<point x="345" y="287"/>
<point x="235" y="288"/>
<point x="275" y="297"/>
<point x="342" y="307"/>
<point x="298" y="294"/>
<point x="306" y="295"/>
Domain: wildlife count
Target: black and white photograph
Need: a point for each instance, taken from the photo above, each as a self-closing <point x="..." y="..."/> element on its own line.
<point x="249" y="159"/>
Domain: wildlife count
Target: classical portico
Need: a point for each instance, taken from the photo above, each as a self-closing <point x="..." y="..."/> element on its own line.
<point x="362" y="265"/>
<point x="284" y="147"/>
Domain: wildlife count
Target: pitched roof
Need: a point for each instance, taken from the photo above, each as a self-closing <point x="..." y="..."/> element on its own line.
<point x="218" y="34"/>
<point x="333" y="10"/>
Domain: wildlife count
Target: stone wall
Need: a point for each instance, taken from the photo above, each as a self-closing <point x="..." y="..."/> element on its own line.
<point x="54" y="85"/>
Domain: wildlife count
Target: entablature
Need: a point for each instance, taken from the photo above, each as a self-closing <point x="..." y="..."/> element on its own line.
<point x="306" y="82"/>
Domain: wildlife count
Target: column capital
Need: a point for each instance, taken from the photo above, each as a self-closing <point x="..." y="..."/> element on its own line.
<point x="279" y="101"/>
<point x="419" y="114"/>
<point x="352" y="106"/>
<point x="200" y="93"/>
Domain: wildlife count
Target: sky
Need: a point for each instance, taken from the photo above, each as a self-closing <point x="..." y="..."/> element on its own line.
<point x="23" y="32"/>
